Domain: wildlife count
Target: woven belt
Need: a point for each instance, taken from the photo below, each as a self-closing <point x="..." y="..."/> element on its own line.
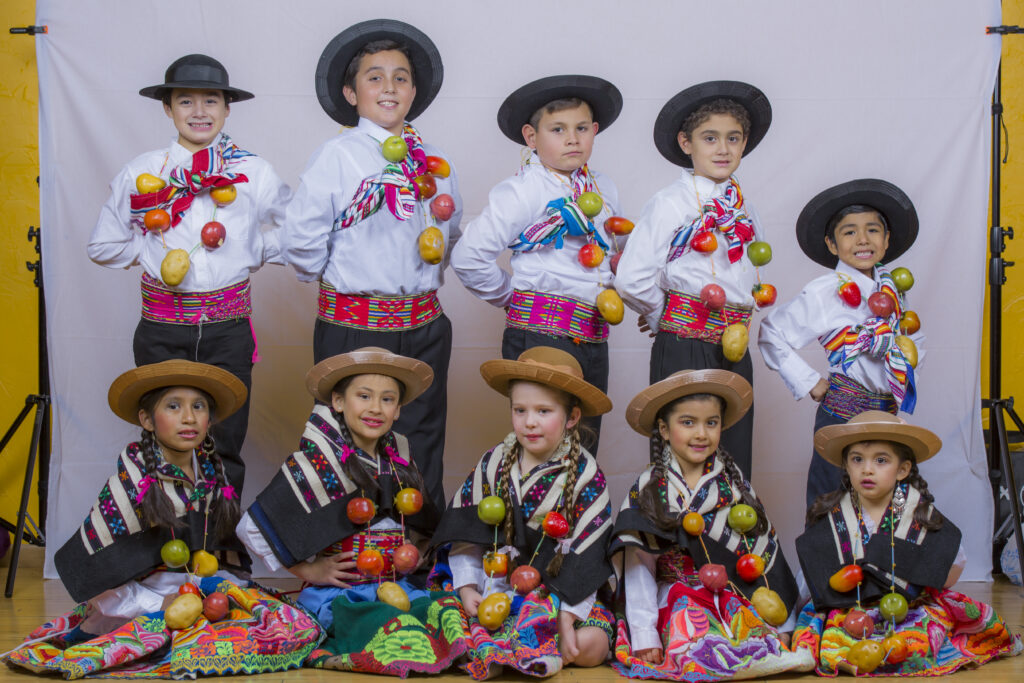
<point x="559" y="316"/>
<point x="687" y="317"/>
<point x="846" y="398"/>
<point x="160" y="304"/>
<point x="384" y="541"/>
<point x="377" y="313"/>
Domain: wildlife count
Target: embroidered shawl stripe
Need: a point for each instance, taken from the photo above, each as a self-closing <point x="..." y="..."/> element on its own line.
<point x="393" y="187"/>
<point x="562" y="216"/>
<point x="725" y="214"/>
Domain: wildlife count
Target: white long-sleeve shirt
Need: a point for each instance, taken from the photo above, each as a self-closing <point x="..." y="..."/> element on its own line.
<point x="261" y="201"/>
<point x="645" y="273"/>
<point x="513" y="205"/>
<point x="379" y="255"/>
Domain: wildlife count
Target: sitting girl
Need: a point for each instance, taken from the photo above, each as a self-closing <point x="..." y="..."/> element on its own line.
<point x="879" y="559"/>
<point x="532" y="602"/>
<point x="337" y="515"/>
<point x="161" y="536"/>
<point x="689" y="527"/>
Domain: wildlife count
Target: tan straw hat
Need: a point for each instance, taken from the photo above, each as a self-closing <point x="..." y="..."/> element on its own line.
<point x="550" y="367"/>
<point x="875" y="425"/>
<point x="227" y="391"/>
<point x="414" y="375"/>
<point x="733" y="389"/>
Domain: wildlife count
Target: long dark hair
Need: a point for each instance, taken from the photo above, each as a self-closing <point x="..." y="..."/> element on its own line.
<point x="924" y="514"/>
<point x="156" y="508"/>
<point x="653" y="500"/>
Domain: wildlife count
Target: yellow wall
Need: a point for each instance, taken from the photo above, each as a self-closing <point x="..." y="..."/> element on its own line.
<point x="19" y="207"/>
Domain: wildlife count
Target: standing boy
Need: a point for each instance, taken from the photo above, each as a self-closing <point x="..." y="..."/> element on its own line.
<point x="363" y="224"/>
<point x="559" y="268"/>
<point x="191" y="216"/>
<point x="856" y="312"/>
<point x="690" y="239"/>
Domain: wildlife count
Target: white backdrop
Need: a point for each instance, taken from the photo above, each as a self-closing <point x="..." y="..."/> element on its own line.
<point x="868" y="89"/>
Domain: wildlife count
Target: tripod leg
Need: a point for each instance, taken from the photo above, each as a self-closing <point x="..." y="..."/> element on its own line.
<point x="17" y="423"/>
<point x="1004" y="459"/>
<point x="26" y="489"/>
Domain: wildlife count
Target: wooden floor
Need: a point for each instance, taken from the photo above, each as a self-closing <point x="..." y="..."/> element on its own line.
<point x="35" y="600"/>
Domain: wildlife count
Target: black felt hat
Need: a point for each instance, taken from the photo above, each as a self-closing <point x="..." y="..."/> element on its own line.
<point x="198" y="72"/>
<point x="604" y="99"/>
<point x="882" y="196"/>
<point x="673" y="114"/>
<point x="427" y="69"/>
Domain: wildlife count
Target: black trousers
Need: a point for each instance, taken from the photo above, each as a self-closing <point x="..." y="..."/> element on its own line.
<point x="822" y="476"/>
<point x="423" y="420"/>
<point x="672" y="353"/>
<point x="593" y="358"/>
<point x="228" y="345"/>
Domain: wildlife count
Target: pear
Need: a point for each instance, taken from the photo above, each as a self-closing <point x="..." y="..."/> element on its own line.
<point x="431" y="244"/>
<point x="147" y="183"/>
<point x="609" y="303"/>
<point x="392" y="594"/>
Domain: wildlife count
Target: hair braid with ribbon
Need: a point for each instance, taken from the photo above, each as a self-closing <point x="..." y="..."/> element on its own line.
<point x="653" y="498"/>
<point x="224" y="505"/>
<point x="151" y="499"/>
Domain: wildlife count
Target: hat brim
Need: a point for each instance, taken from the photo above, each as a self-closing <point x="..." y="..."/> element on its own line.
<point x="732" y="388"/>
<point x="227" y="391"/>
<point x="831" y="440"/>
<point x="428" y="71"/>
<point x="604" y="99"/>
<point x="156" y="92"/>
<point x="500" y="373"/>
<point x="881" y="195"/>
<point x="673" y="114"/>
<point x="415" y="375"/>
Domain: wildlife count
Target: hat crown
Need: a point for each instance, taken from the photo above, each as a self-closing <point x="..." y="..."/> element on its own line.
<point x="875" y="416"/>
<point x="556" y="359"/>
<point x="197" y="67"/>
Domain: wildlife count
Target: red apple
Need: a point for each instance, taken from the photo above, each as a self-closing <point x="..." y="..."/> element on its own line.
<point x="614" y="262"/>
<point x="405" y="558"/>
<point x="213" y="234"/>
<point x="427" y="185"/>
<point x="370" y="562"/>
<point x="216" y="606"/>
<point x="442" y="207"/>
<point x="555" y="525"/>
<point x="749" y="567"/>
<point x="590" y="255"/>
<point x="524" y="579"/>
<point x="188" y="587"/>
<point x="713" y="577"/>
<point x="858" y="624"/>
<point x="704" y="242"/>
<point x="881" y="304"/>
<point x="360" y="510"/>
<point x="712" y="296"/>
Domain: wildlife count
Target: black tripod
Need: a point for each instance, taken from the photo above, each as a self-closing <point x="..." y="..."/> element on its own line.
<point x="40" y="443"/>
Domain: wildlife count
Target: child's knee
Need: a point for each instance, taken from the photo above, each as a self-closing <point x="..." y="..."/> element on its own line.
<point x="593" y="645"/>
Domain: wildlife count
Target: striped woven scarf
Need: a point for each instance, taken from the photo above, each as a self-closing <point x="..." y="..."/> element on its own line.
<point x="563" y="216"/>
<point x="725" y="214"/>
<point x="392" y="187"/>
<point x="208" y="169"/>
<point x="877" y="337"/>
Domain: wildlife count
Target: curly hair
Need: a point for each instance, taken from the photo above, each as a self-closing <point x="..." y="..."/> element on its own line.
<point x="720" y="106"/>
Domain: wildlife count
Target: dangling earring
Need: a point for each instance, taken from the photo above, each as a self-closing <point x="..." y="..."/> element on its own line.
<point x="899" y="499"/>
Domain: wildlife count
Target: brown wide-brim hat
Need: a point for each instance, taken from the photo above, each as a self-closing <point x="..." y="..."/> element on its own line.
<point x="881" y="195"/>
<point x="875" y="425"/>
<point x="676" y="110"/>
<point x="415" y="375"/>
<point x="226" y="390"/>
<point x="196" y="72"/>
<point x="551" y="367"/>
<point x="427" y="69"/>
<point x="604" y="99"/>
<point x="732" y="388"/>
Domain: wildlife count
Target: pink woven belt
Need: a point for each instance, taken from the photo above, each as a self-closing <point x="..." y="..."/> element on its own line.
<point x="382" y="540"/>
<point x="687" y="317"/>
<point x="377" y="313"/>
<point x="560" y="316"/>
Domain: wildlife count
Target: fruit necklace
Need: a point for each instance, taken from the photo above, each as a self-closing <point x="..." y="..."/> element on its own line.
<point x="883" y="304"/>
<point x="177" y="262"/>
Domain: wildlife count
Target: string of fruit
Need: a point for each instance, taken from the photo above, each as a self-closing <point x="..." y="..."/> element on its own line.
<point x="882" y="305"/>
<point x="591" y="255"/>
<point x="431" y="239"/>
<point x="494" y="609"/>
<point x="185" y="609"/>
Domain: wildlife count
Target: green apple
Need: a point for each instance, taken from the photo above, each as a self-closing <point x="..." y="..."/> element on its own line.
<point x="742" y="518"/>
<point x="175" y="553"/>
<point x="491" y="510"/>
<point x="590" y="203"/>
<point x="394" y="148"/>
<point x="759" y="253"/>
<point x="893" y="606"/>
<point x="902" y="278"/>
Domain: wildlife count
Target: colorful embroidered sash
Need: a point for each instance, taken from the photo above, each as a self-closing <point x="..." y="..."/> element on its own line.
<point x="725" y="214"/>
<point x="877" y="337"/>
<point x="382" y="540"/>
<point x="209" y="169"/>
<point x="847" y="397"/>
<point x="379" y="313"/>
<point x="563" y="216"/>
<point x="160" y="304"/>
<point x="559" y="316"/>
<point x="687" y="317"/>
<point x="393" y="187"/>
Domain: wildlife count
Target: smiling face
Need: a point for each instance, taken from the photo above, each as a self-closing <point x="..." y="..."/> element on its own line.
<point x="369" y="405"/>
<point x="715" y="146"/>
<point x="179" y="421"/>
<point x="859" y="240"/>
<point x="875" y="468"/>
<point x="540" y="419"/>
<point x="198" y="115"/>
<point x="563" y="139"/>
<point x="692" y="428"/>
<point x="383" y="89"/>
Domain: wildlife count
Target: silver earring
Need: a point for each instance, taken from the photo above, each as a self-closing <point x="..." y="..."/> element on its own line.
<point x="899" y="499"/>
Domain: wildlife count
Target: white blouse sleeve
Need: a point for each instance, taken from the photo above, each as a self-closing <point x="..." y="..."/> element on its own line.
<point x="255" y="542"/>
<point x="114" y="243"/>
<point x="466" y="562"/>
<point x="641" y="599"/>
<point x="782" y="332"/>
<point x="643" y="259"/>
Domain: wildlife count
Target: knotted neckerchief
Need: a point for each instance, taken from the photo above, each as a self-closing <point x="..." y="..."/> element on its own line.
<point x="725" y="214"/>
<point x="392" y="187"/>
<point x="563" y="216"/>
<point x="876" y="336"/>
<point x="208" y="169"/>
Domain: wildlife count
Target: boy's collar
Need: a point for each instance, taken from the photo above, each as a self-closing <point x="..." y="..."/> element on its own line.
<point x="704" y="185"/>
<point x="860" y="278"/>
<point x="367" y="126"/>
<point x="180" y="154"/>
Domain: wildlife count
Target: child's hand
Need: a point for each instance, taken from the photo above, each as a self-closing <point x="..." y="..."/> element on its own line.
<point x="470" y="598"/>
<point x="641" y="322"/>
<point x="817" y="392"/>
<point x="651" y="655"/>
<point x="330" y="570"/>
<point x="567" y="637"/>
<point x="786" y="638"/>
